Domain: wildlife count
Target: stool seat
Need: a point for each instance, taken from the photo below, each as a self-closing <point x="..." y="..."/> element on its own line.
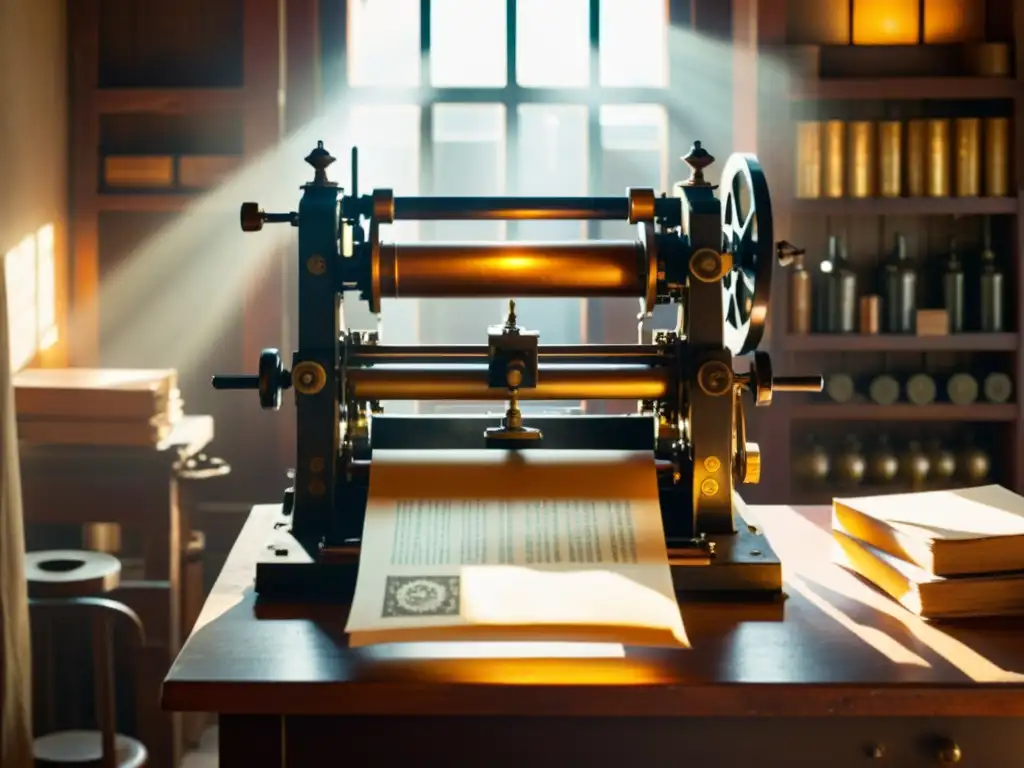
<point x="71" y="573"/>
<point x="84" y="748"/>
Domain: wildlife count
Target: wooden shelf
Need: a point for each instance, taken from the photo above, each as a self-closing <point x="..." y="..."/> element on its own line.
<point x="916" y="88"/>
<point x="957" y="342"/>
<point x="907" y="206"/>
<point x="170" y="202"/>
<point x="167" y="101"/>
<point x="904" y="412"/>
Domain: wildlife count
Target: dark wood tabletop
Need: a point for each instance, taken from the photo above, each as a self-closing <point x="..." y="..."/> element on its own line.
<point x="834" y="646"/>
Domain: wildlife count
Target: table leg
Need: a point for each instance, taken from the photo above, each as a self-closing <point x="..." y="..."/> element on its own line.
<point x="159" y="730"/>
<point x="252" y="741"/>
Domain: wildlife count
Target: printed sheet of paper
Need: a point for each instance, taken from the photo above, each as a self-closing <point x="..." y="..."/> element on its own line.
<point x="523" y="545"/>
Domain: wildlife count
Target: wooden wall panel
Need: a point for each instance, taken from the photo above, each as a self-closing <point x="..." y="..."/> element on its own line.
<point x="33" y="137"/>
<point x="179" y="44"/>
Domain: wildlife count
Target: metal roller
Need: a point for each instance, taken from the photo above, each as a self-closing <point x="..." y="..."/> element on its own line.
<point x="597" y="383"/>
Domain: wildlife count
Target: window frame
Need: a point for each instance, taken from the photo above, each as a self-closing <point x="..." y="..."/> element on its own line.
<point x="335" y="82"/>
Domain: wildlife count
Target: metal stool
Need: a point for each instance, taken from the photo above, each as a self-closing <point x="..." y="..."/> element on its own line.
<point x="66" y="584"/>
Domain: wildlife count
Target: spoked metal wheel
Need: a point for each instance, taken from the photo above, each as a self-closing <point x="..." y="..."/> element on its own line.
<point x="747" y="235"/>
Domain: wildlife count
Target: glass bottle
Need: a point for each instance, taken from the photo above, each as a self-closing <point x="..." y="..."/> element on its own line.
<point x="953" y="290"/>
<point x="849" y="463"/>
<point x="799" y="297"/>
<point x="900" y="290"/>
<point x="992" y="320"/>
<point x="840" y="289"/>
<point x="883" y="463"/>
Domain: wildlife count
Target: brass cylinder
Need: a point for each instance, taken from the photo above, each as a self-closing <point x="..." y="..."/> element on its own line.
<point x="870" y="314"/>
<point x="523" y="270"/>
<point x="607" y="383"/>
<point x="808" y="159"/>
<point x="917" y="158"/>
<point x="102" y="537"/>
<point x="861" y="158"/>
<point x="834" y="165"/>
<point x="938" y="158"/>
<point x="997" y="156"/>
<point x="890" y="158"/>
<point x="967" y="134"/>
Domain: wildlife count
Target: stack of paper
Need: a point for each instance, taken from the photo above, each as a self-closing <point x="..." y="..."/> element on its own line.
<point x="528" y="545"/>
<point x="90" y="406"/>
<point x="942" y="554"/>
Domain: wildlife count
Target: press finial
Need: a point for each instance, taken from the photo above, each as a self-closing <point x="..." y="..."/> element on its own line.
<point x="320" y="159"/>
<point x="698" y="159"/>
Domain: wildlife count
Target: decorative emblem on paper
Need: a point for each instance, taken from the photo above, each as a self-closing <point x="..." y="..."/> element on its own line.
<point x="421" y="596"/>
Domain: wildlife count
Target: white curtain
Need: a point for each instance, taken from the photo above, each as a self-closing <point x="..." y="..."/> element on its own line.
<point x="15" y="652"/>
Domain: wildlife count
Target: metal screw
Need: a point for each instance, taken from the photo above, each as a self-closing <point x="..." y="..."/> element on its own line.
<point x="316" y="264"/>
<point x="709" y="487"/>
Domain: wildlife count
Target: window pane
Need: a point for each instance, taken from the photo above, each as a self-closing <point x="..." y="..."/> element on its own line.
<point x="388" y="137"/>
<point x="553" y="43"/>
<point x="468" y="43"/>
<point x="46" y="293"/>
<point x="384" y="42"/>
<point x="469" y="160"/>
<point x="634" y="153"/>
<point x="552" y="147"/>
<point x="22" y="290"/>
<point x="634" y="43"/>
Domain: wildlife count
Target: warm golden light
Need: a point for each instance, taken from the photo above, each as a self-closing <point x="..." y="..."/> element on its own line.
<point x="20" y="270"/>
<point x="953" y="21"/>
<point x="46" y="288"/>
<point x="31" y="296"/>
<point x="885" y="22"/>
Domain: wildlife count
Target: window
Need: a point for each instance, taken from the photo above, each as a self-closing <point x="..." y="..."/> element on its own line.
<point x="454" y="102"/>
<point x="31" y="289"/>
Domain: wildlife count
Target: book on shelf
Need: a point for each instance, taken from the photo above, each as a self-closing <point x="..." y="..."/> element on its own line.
<point x="945" y="533"/>
<point x="102" y="394"/>
<point x="928" y="595"/>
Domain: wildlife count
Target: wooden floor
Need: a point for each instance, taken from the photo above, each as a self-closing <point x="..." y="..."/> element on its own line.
<point x="205" y="755"/>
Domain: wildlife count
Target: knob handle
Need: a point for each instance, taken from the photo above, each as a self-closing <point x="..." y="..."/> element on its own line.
<point x="763" y="384"/>
<point x="270" y="382"/>
<point x="812" y="384"/>
<point x="786" y="253"/>
<point x="236" y="381"/>
<point x="252" y="217"/>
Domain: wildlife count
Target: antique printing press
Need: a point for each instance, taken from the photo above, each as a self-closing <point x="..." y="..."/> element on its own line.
<point x="712" y="256"/>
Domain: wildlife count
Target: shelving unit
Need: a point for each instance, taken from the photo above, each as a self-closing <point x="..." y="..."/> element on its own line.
<point x="977" y="412"/>
<point x="908" y="206"/>
<point x="868" y="225"/>
<point x="957" y="342"/>
<point x="898" y="88"/>
<point x="188" y="79"/>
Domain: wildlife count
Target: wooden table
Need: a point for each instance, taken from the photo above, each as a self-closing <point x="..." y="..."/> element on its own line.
<point x="135" y="488"/>
<point x="836" y="675"/>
